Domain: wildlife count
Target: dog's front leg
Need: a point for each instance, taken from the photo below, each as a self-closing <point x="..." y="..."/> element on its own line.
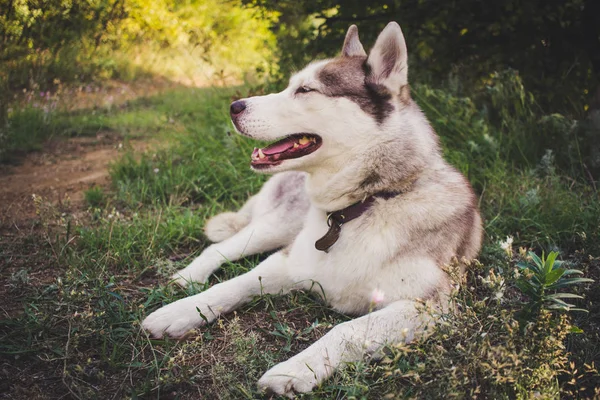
<point x="258" y="237"/>
<point x="177" y="318"/>
<point x="346" y="342"/>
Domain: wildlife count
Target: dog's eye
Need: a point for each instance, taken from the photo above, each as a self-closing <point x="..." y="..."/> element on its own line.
<point x="304" y="89"/>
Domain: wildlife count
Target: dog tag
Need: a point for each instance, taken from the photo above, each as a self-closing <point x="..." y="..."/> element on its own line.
<point x="330" y="237"/>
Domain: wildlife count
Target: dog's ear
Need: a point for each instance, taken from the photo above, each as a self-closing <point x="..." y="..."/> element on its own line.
<point x="387" y="62"/>
<point x="352" y="46"/>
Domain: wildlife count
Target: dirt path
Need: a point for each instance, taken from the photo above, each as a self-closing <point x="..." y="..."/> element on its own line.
<point x="60" y="173"/>
<point x="66" y="167"/>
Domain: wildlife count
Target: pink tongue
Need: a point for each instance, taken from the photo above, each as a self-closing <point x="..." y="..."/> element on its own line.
<point x="279" y="147"/>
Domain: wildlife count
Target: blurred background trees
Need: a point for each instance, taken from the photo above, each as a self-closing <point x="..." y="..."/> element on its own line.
<point x="554" y="45"/>
<point x="44" y="40"/>
<point x="536" y="61"/>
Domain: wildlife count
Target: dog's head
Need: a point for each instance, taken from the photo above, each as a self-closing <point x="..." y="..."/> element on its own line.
<point x="330" y="108"/>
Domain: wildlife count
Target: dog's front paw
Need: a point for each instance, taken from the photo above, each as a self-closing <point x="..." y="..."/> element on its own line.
<point x="175" y="320"/>
<point x="290" y="377"/>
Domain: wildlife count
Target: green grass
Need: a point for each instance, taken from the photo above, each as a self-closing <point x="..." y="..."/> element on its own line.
<point x="38" y="120"/>
<point x="110" y="267"/>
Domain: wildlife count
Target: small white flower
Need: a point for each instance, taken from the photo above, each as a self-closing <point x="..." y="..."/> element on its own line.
<point x="377" y="296"/>
<point x="507" y="244"/>
<point x="499" y="294"/>
<point x="156" y="170"/>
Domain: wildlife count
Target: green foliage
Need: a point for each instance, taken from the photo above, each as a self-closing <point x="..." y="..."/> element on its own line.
<point x="480" y="351"/>
<point x="95" y="197"/>
<point x="36" y="35"/>
<point x="131" y="242"/>
<point x="25" y="130"/>
<point x="48" y="39"/>
<point x="553" y="45"/>
<point x="48" y="43"/>
<point x="205" y="164"/>
<point x="478" y="348"/>
<point x="39" y="116"/>
<point x="522" y="168"/>
<point x="541" y="211"/>
<point x="546" y="274"/>
<point x="194" y="41"/>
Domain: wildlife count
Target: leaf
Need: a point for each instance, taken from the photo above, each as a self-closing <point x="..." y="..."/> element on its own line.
<point x="277" y="333"/>
<point x="202" y="315"/>
<point x="579" y="309"/>
<point x="537" y="262"/>
<point x="135" y="364"/>
<point x="523" y="265"/>
<point x="116" y="296"/>
<point x="575" y="329"/>
<point x="564" y="296"/>
<point x="562" y="304"/>
<point x="570" y="281"/>
<point x="536" y="259"/>
<point x="549" y="262"/>
<point x="526" y="287"/>
<point x="573" y="272"/>
<point x="553" y="276"/>
<point x="535" y="279"/>
<point x="559" y="307"/>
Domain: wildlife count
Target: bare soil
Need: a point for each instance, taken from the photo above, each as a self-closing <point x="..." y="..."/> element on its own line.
<point x="60" y="173"/>
<point x="66" y="167"/>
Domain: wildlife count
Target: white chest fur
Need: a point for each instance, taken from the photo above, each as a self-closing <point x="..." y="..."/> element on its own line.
<point x="369" y="257"/>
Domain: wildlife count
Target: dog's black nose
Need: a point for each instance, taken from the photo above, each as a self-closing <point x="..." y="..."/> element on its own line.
<point x="237" y="107"/>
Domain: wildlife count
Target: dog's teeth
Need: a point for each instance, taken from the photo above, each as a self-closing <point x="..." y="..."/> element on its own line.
<point x="304" y="140"/>
<point x="261" y="155"/>
<point x="296" y="145"/>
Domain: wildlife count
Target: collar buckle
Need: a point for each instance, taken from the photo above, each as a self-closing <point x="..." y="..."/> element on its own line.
<point x="335" y="219"/>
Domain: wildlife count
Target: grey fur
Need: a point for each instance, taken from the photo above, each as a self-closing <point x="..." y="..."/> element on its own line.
<point x="347" y="77"/>
<point x="388" y="62"/>
<point x="352" y="46"/>
<point x="362" y="79"/>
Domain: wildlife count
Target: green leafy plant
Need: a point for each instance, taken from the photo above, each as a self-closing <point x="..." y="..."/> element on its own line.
<point x="541" y="277"/>
<point x="95" y="196"/>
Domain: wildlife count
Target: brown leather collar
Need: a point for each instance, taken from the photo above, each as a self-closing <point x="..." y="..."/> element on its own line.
<point x="336" y="219"/>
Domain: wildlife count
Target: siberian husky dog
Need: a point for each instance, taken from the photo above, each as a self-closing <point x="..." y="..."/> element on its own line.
<point x="364" y="209"/>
